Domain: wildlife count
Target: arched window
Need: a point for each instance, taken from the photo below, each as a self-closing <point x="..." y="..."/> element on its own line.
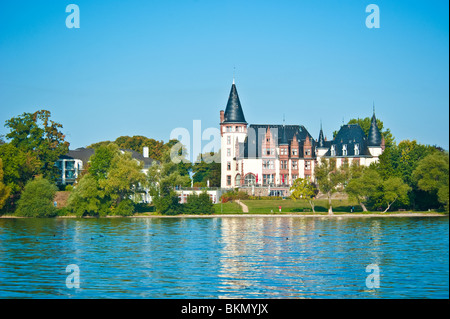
<point x="238" y="180"/>
<point x="250" y="180"/>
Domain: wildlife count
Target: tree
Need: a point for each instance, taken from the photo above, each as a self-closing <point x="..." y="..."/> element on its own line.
<point x="391" y="190"/>
<point x="37" y="199"/>
<point x="87" y="198"/>
<point x="432" y="175"/>
<point x="401" y="161"/>
<point x="35" y="133"/>
<point x="5" y="190"/>
<point x="362" y="186"/>
<point x="328" y="179"/>
<point x="100" y="162"/>
<point x="303" y="189"/>
<point x="124" y="177"/>
<point x="207" y="170"/>
<point x="18" y="168"/>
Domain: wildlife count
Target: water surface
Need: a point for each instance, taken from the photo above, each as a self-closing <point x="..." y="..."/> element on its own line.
<point x="256" y="257"/>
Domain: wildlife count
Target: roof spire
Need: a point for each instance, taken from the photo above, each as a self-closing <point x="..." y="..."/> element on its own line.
<point x="234" y="73"/>
<point x="373" y="107"/>
<point x="233" y="111"/>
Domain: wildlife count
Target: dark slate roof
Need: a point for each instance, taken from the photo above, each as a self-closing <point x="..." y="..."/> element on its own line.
<point x="321" y="141"/>
<point x="80" y="153"/>
<point x="374" y="133"/>
<point x="284" y="139"/>
<point x="84" y="154"/>
<point x="233" y="111"/>
<point x="251" y="148"/>
<point x="350" y="135"/>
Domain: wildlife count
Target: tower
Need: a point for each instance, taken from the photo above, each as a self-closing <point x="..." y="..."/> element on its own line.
<point x="233" y="130"/>
<point x="375" y="139"/>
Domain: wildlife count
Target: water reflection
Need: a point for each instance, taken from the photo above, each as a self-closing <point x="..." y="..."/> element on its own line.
<point x="224" y="257"/>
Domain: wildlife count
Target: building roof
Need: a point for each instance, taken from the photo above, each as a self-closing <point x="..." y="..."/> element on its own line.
<point x="349" y="135"/>
<point x="252" y="146"/>
<point x="84" y="154"/>
<point x="233" y="111"/>
<point x="374" y="133"/>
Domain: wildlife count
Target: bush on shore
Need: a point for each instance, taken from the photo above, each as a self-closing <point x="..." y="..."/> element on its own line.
<point x="37" y="199"/>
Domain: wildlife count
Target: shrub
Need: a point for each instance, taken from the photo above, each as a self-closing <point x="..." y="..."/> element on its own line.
<point x="37" y="199"/>
<point x="199" y="204"/>
<point x="125" y="208"/>
<point x="167" y="203"/>
<point x="68" y="188"/>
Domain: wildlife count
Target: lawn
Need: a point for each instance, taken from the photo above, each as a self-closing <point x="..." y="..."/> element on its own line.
<point x="228" y="208"/>
<point x="290" y="206"/>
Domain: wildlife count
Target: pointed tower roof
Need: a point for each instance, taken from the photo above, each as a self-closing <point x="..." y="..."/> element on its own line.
<point x="233" y="111"/>
<point x="374" y="133"/>
<point x="321" y="140"/>
<point x="284" y="139"/>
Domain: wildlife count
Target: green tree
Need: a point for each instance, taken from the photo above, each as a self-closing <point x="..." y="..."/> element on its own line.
<point x="207" y="168"/>
<point x="392" y="190"/>
<point x="329" y="178"/>
<point x="87" y="198"/>
<point x="432" y="175"/>
<point x="37" y="134"/>
<point x="37" y="199"/>
<point x="124" y="177"/>
<point x="363" y="186"/>
<point x="303" y="189"/>
<point x="5" y="190"/>
<point x="100" y="162"/>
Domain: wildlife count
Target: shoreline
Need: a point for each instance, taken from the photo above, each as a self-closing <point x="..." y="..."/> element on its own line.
<point x="249" y="215"/>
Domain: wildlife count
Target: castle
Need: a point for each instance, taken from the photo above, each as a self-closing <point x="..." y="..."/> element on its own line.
<point x="265" y="159"/>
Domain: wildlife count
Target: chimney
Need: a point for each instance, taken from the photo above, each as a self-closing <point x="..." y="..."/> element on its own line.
<point x="222" y="116"/>
<point x="145" y="151"/>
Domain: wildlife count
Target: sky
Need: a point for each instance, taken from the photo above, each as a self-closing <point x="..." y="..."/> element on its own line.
<point x="149" y="67"/>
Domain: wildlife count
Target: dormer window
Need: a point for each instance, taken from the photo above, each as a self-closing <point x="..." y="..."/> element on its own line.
<point x="356" y="149"/>
<point x="333" y="150"/>
<point x="344" y="150"/>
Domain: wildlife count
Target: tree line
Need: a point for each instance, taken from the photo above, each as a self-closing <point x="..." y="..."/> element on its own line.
<point x="113" y="183"/>
<point x="408" y="175"/>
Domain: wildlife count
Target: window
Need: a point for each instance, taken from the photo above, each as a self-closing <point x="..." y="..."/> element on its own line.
<point x="228" y="151"/>
<point x="228" y="180"/>
<point x="284" y="179"/>
<point x="284" y="164"/>
<point x="283" y="151"/>
<point x="250" y="179"/>
<point x="307" y="151"/>
<point x="268" y="179"/>
<point x="268" y="165"/>
<point x="294" y="165"/>
<point x="307" y="165"/>
<point x="228" y="140"/>
<point x="333" y="150"/>
<point x="294" y="177"/>
<point x="294" y="152"/>
<point x="344" y="150"/>
<point x="238" y="180"/>
<point x="228" y="166"/>
<point x="356" y="149"/>
<point x="228" y="128"/>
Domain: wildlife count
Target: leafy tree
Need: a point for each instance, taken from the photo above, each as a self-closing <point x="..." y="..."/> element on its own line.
<point x="167" y="202"/>
<point x="34" y="133"/>
<point x="401" y="161"/>
<point x="363" y="186"/>
<point x="391" y="190"/>
<point x="124" y="177"/>
<point x="100" y="162"/>
<point x="37" y="199"/>
<point x="208" y="169"/>
<point x="303" y="189"/>
<point x="329" y="177"/>
<point x="87" y="198"/>
<point x="432" y="175"/>
<point x="5" y="190"/>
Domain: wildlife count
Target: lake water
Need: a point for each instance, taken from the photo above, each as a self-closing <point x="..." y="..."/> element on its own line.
<point x="230" y="257"/>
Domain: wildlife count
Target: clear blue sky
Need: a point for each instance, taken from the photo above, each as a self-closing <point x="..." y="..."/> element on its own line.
<point x="147" y="67"/>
